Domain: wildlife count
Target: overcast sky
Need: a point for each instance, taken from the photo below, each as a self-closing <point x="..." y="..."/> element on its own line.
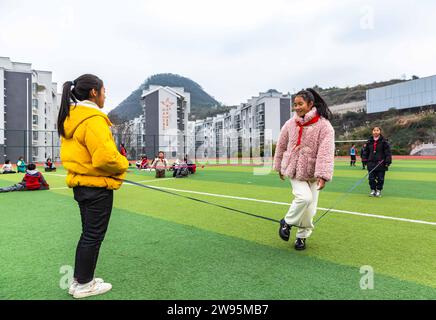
<point x="232" y="48"/>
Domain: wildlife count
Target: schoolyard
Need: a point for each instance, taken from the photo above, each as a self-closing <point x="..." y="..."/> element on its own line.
<point x="160" y="246"/>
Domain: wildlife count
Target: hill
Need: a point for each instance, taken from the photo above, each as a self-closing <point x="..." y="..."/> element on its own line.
<point x="335" y="95"/>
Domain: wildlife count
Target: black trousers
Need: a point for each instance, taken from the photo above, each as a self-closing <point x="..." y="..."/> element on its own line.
<point x="95" y="209"/>
<point x="377" y="179"/>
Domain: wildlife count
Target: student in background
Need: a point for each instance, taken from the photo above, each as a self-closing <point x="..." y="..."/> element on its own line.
<point x="123" y="150"/>
<point x="144" y="163"/>
<point x="379" y="158"/>
<point x="160" y="164"/>
<point x="49" y="166"/>
<point x="7" y="167"/>
<point x="191" y="165"/>
<point x="21" y="165"/>
<point x="353" y="152"/>
<point x="32" y="180"/>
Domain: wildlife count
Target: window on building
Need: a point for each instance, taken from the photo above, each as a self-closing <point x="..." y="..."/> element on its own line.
<point x="35" y="135"/>
<point x="35" y="119"/>
<point x="34" y="87"/>
<point x="35" y="103"/>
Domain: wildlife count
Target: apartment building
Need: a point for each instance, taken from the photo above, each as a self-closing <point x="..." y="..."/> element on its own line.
<point x="28" y="111"/>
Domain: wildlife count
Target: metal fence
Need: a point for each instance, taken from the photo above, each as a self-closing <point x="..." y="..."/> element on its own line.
<point x="32" y="145"/>
<point x="217" y="149"/>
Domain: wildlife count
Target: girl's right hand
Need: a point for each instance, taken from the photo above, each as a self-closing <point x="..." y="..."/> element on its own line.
<point x="281" y="176"/>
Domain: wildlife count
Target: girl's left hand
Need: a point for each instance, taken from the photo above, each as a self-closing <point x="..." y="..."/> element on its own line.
<point x="321" y="183"/>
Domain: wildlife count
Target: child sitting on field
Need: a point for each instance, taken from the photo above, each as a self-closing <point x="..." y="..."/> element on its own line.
<point x="21" y="165"/>
<point x="7" y="167"/>
<point x="49" y="166"/>
<point x="160" y="164"/>
<point x="32" y="180"/>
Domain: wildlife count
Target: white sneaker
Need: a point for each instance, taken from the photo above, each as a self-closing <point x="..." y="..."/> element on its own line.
<point x="92" y="288"/>
<point x="378" y="193"/>
<point x="372" y="194"/>
<point x="75" y="284"/>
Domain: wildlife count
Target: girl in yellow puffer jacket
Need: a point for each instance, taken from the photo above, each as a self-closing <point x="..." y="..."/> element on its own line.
<point x="95" y="168"/>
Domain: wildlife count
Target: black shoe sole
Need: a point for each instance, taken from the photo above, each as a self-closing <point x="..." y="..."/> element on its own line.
<point x="282" y="236"/>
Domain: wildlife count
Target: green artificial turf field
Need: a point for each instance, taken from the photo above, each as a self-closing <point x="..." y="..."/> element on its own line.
<point x="164" y="247"/>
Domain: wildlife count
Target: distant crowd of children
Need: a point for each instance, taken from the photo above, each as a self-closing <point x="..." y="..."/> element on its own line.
<point x="160" y="165"/>
<point x="8" y="168"/>
<point x="32" y="180"/>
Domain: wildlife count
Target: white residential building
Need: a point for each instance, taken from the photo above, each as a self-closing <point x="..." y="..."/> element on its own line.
<point x="28" y="112"/>
<point x="247" y="131"/>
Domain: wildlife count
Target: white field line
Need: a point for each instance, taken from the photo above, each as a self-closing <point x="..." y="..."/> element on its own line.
<point x="276" y="202"/>
<point x="288" y="204"/>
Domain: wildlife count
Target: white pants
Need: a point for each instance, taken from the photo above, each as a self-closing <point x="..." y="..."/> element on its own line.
<point x="303" y="207"/>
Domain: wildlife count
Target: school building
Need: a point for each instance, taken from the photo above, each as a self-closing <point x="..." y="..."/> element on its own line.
<point x="28" y="112"/>
<point x="165" y="120"/>
<point x="418" y="93"/>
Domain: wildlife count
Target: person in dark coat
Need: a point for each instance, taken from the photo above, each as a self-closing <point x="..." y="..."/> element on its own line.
<point x="377" y="152"/>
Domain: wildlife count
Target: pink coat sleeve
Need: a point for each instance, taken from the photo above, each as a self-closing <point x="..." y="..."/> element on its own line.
<point x="282" y="145"/>
<point x="326" y="153"/>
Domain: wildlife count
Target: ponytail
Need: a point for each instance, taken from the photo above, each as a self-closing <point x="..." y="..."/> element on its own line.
<point x="64" y="110"/>
<point x="82" y="87"/>
<point x="310" y="95"/>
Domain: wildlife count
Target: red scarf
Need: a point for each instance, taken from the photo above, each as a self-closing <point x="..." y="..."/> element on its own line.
<point x="300" y="133"/>
<point x="375" y="144"/>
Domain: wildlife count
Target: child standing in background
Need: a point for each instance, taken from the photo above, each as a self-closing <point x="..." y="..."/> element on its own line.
<point x="353" y="153"/>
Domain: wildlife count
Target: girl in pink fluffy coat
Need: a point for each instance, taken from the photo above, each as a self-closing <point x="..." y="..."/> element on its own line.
<point x="305" y="154"/>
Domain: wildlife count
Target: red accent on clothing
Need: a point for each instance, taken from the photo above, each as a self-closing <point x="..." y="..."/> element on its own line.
<point x="123" y="151"/>
<point x="144" y="163"/>
<point x="193" y="167"/>
<point x="375" y="145"/>
<point x="300" y="132"/>
<point x="33" y="182"/>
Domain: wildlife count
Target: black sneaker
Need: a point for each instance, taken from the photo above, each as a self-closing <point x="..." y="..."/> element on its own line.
<point x="284" y="230"/>
<point x="300" y="244"/>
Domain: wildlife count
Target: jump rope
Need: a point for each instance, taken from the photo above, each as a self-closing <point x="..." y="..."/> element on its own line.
<point x="338" y="200"/>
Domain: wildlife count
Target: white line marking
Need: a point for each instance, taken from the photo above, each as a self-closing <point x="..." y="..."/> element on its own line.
<point x="275" y="202"/>
<point x="288" y="204"/>
<point x="55" y="174"/>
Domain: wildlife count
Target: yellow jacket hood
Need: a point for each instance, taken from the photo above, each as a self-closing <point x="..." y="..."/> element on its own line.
<point x="79" y="113"/>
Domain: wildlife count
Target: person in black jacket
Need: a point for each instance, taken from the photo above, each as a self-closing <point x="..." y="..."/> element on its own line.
<point x="377" y="152"/>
